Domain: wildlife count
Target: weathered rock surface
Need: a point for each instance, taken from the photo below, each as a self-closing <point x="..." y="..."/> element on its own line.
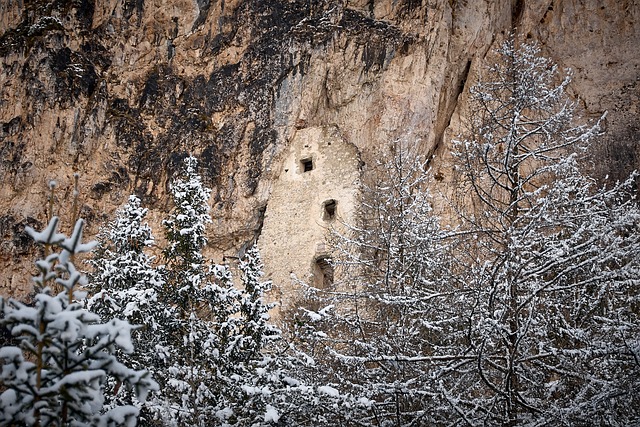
<point x="120" y="91"/>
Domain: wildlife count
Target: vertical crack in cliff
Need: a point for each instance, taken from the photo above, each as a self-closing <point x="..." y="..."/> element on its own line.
<point x="260" y="214"/>
<point x="517" y="10"/>
<point x="447" y="105"/>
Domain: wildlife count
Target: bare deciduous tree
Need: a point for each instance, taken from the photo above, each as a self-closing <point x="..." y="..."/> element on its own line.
<point x="556" y="270"/>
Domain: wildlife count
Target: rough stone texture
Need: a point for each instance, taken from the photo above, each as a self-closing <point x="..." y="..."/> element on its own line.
<point x="120" y="91"/>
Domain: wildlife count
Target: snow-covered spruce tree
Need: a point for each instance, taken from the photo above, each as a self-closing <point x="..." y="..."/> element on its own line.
<point x="255" y="329"/>
<point x="219" y="372"/>
<point x="392" y="317"/>
<point x="554" y="264"/>
<point x="185" y="232"/>
<point x="125" y="285"/>
<point x="263" y="389"/>
<point x="192" y="384"/>
<point x="257" y="385"/>
<point x="58" y="372"/>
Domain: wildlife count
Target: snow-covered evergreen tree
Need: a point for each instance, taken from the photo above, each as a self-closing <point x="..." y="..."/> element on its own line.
<point x="186" y="237"/>
<point x="192" y="380"/>
<point x="124" y="279"/>
<point x="125" y="285"/>
<point x="205" y="382"/>
<point x="255" y="329"/>
<point x="223" y="373"/>
<point x="251" y="358"/>
<point x="58" y="372"/>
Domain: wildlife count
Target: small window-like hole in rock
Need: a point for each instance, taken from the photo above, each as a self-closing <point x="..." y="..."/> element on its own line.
<point x="323" y="272"/>
<point x="307" y="165"/>
<point x="329" y="209"/>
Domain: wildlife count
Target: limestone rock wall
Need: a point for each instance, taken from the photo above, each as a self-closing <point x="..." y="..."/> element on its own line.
<point x="119" y="91"/>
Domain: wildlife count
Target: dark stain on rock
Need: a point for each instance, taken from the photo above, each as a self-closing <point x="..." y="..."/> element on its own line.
<point x="379" y="40"/>
<point x="262" y="137"/>
<point x="84" y="12"/>
<point x="373" y="56"/>
<point x="129" y="129"/>
<point x="12" y="127"/>
<point x="97" y="54"/>
<point x="119" y="179"/>
<point x="211" y="162"/>
<point x="151" y="89"/>
<point x="203" y="12"/>
<point x="516" y="12"/>
<point x="11" y="158"/>
<point x="27" y="34"/>
<point x="75" y="74"/>
<point x="16" y="241"/>
<point x="215" y="93"/>
<point x="409" y="6"/>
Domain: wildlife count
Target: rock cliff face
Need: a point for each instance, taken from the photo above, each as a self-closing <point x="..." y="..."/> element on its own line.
<point x="119" y="91"/>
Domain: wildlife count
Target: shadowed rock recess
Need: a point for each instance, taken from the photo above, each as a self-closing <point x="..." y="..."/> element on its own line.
<point x="120" y="91"/>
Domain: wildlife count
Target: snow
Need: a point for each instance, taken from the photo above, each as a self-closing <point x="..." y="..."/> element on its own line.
<point x="74" y="244"/>
<point x="224" y="413"/>
<point x="365" y="402"/>
<point x="122" y="415"/>
<point x="48" y="236"/>
<point x="315" y="317"/>
<point x="329" y="391"/>
<point x="271" y="415"/>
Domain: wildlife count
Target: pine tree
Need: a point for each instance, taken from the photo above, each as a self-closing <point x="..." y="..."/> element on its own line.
<point x="200" y="381"/>
<point x="255" y="329"/>
<point x="191" y="379"/>
<point x="125" y="285"/>
<point x="123" y="273"/>
<point x="57" y="373"/>
<point x="258" y="378"/>
<point x="186" y="237"/>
